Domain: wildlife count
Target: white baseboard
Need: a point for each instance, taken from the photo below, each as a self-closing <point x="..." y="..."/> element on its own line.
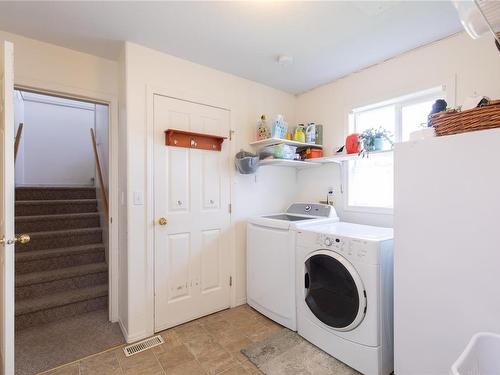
<point x="132" y="338"/>
<point x="240" y="302"/>
<point x="124" y="330"/>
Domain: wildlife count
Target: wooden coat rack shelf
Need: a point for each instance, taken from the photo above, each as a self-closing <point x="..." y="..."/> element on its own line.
<point x="181" y="138"/>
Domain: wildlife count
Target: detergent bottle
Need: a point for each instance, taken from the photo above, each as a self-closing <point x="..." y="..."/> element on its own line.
<point x="279" y="127"/>
<point x="311" y="133"/>
<point x="300" y="135"/>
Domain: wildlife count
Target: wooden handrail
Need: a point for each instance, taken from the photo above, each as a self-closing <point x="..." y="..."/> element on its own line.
<point x="18" y="139"/>
<point x="99" y="173"/>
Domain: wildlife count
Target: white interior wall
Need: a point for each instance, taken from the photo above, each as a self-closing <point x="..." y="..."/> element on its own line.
<point x="146" y="70"/>
<point x="56" y="143"/>
<point x="122" y="199"/>
<point x="44" y="65"/>
<point x="464" y="65"/>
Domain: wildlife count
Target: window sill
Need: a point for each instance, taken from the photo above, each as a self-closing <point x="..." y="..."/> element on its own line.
<point x="369" y="210"/>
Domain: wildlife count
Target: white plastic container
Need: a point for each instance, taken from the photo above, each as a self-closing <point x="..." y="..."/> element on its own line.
<point x="480" y="357"/>
<point x="284" y="151"/>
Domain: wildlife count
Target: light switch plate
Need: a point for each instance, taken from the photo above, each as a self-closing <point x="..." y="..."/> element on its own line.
<point x="138" y="198"/>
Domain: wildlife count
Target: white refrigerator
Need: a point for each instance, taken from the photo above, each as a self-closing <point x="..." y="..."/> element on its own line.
<point x="446" y="248"/>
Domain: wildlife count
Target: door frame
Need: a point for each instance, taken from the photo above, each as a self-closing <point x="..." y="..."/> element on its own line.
<point x="113" y="223"/>
<point x="151" y="91"/>
<point x="7" y="340"/>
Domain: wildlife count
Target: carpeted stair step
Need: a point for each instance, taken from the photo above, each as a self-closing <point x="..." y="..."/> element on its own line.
<point x="62" y="271"/>
<point x="42" y="223"/>
<point x="50" y="259"/>
<point x="67" y="238"/>
<point x="54" y="193"/>
<point x="44" y="283"/>
<point x="54" y="207"/>
<point x="61" y="305"/>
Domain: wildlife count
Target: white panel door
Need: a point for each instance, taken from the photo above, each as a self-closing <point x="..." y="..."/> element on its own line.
<point x="192" y="192"/>
<point x="7" y="208"/>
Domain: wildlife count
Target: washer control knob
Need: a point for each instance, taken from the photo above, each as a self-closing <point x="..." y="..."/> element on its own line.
<point x="328" y="241"/>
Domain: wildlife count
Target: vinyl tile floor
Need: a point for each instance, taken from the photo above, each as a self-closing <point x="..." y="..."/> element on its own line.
<point x="206" y="346"/>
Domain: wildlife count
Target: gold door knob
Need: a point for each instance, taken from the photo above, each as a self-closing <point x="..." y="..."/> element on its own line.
<point x="22" y="238"/>
<point x="162" y="221"/>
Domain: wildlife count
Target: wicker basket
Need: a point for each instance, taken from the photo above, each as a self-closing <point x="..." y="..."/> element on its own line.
<point x="454" y="122"/>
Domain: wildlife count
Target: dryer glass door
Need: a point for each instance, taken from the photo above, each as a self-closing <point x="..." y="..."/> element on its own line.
<point x="332" y="293"/>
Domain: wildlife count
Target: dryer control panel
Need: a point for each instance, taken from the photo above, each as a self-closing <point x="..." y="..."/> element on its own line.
<point x="312" y="209"/>
<point x="330" y="242"/>
<point x="350" y="247"/>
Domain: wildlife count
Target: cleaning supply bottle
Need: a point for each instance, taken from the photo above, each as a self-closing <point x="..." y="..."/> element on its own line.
<point x="262" y="129"/>
<point x="279" y="127"/>
<point x="299" y="135"/>
<point x="311" y="133"/>
<point x="319" y="134"/>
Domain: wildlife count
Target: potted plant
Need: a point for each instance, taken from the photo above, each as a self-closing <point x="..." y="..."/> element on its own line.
<point x="373" y="139"/>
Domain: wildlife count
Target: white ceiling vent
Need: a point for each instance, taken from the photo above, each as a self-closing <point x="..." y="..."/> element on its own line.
<point x="284" y="60"/>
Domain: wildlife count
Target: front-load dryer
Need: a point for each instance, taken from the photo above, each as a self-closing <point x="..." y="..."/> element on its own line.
<point x="345" y="293"/>
<point x="271" y="258"/>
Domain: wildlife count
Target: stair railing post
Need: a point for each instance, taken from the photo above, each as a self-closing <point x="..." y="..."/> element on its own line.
<point x="99" y="174"/>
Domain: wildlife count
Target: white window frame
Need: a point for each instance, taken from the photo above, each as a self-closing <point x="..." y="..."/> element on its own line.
<point x="399" y="103"/>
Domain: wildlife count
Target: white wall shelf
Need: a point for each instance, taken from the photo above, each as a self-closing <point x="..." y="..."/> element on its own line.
<point x="278" y="141"/>
<point x="316" y="162"/>
<point x="339" y="158"/>
<point x="289" y="163"/>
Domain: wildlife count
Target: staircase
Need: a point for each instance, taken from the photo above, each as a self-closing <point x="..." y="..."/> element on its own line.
<point x="62" y="271"/>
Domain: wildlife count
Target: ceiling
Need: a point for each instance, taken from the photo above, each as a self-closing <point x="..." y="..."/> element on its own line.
<point x="327" y="40"/>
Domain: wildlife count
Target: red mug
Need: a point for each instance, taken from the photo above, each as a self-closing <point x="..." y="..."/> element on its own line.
<point x="352" y="143"/>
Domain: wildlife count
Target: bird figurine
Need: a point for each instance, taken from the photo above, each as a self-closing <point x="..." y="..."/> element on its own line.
<point x="438" y="106"/>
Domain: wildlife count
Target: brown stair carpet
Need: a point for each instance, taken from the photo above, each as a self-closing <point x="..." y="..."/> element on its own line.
<point x="68" y="237"/>
<point x="49" y="259"/>
<point x="53" y="344"/>
<point x="62" y="271"/>
<point x="51" y="222"/>
<point x="54" y="193"/>
<point x="51" y="207"/>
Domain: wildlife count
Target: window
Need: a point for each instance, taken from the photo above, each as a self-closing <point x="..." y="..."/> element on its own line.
<point x="369" y="181"/>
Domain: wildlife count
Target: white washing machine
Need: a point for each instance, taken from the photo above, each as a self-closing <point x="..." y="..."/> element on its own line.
<point x="345" y="293"/>
<point x="271" y="259"/>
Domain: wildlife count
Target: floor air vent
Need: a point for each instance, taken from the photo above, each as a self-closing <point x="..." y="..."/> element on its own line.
<point x="143" y="345"/>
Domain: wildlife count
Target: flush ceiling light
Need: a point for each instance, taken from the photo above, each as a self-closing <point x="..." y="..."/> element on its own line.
<point x="284" y="60"/>
<point x="480" y="17"/>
